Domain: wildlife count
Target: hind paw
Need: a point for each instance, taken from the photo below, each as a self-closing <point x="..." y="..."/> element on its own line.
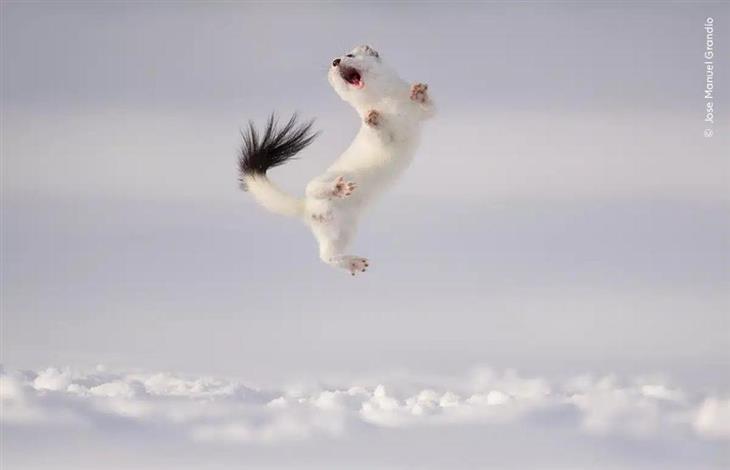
<point x="355" y="264"/>
<point x="343" y="188"/>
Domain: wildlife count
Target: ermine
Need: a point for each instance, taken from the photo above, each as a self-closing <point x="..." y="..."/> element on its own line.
<point x="391" y="111"/>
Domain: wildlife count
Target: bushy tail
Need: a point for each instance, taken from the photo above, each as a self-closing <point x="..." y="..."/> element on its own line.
<point x="275" y="147"/>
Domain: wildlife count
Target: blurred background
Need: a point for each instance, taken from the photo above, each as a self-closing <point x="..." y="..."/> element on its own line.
<point x="583" y="224"/>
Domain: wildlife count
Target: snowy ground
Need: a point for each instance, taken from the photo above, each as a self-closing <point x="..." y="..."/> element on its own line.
<point x="61" y="418"/>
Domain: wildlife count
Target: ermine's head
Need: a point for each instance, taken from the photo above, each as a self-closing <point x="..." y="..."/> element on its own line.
<point x="360" y="77"/>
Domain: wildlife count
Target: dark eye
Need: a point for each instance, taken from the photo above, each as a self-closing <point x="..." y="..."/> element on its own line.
<point x="349" y="55"/>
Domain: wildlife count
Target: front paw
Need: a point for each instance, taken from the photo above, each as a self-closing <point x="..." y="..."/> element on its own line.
<point x="343" y="188"/>
<point x="372" y="118"/>
<point x="419" y="93"/>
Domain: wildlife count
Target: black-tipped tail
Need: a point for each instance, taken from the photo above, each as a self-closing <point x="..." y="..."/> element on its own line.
<point x="274" y="148"/>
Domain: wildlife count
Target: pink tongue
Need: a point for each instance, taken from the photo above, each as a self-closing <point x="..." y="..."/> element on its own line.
<point x="358" y="84"/>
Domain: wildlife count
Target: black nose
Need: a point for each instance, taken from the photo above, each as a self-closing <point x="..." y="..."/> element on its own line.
<point x="336" y="62"/>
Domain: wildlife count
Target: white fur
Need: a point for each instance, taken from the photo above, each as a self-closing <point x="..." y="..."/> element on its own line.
<point x="375" y="158"/>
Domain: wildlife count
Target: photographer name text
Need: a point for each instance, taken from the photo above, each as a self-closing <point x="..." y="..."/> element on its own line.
<point x="709" y="57"/>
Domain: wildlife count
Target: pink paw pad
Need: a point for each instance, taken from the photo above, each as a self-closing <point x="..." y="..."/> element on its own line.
<point x="343" y="188"/>
<point x="372" y="118"/>
<point x="419" y="93"/>
<point x="358" y="265"/>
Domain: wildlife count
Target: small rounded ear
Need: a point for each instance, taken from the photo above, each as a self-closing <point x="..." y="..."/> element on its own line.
<point x="370" y="51"/>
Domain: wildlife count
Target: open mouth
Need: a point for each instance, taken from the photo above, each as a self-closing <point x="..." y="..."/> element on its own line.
<point x="352" y="76"/>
